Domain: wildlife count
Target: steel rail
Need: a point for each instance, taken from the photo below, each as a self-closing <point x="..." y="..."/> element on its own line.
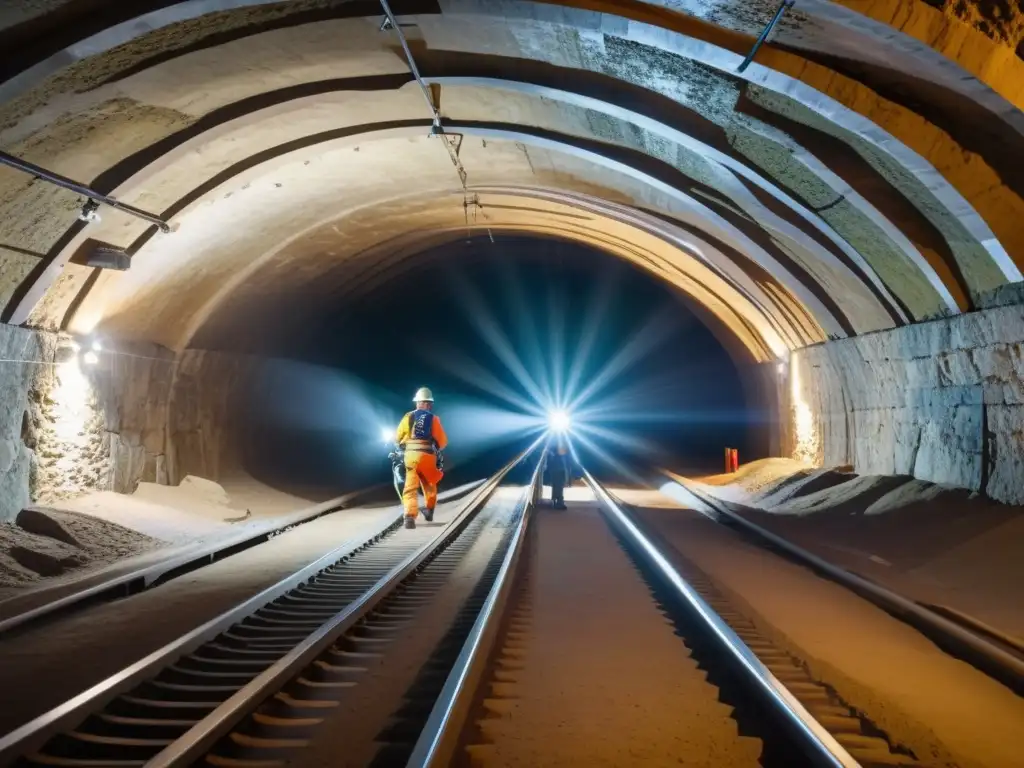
<point x="37" y="732"/>
<point x="820" y="747"/>
<point x="996" y="658"/>
<point x="439" y="739"/>
<point x="201" y="737"/>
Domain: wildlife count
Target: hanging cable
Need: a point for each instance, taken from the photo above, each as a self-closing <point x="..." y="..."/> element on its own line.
<point x="95" y="198"/>
<point x="764" y="34"/>
<point x="437" y="129"/>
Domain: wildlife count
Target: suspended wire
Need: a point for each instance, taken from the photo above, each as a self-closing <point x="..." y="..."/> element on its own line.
<point x="438" y="128"/>
<point x="109" y="352"/>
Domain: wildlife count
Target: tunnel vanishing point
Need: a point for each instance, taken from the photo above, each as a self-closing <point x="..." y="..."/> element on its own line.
<point x="846" y="212"/>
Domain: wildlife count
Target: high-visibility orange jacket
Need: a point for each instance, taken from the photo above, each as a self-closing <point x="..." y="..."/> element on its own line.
<point x="420" y="431"/>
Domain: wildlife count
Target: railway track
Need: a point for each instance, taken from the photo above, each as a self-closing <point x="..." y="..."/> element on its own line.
<point x="218" y="694"/>
<point x="997" y="655"/>
<point x="445" y="645"/>
<point x="543" y="682"/>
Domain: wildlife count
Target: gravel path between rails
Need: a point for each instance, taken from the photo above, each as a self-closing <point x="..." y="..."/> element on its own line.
<point x="605" y="679"/>
<point x="947" y="712"/>
<point x="47" y="664"/>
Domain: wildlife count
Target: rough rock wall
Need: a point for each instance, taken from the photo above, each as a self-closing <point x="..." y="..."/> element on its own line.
<point x="100" y="426"/>
<point x="72" y="443"/>
<point x="136" y="414"/>
<point x="1000" y="20"/>
<point x="22" y="389"/>
<point x="942" y="401"/>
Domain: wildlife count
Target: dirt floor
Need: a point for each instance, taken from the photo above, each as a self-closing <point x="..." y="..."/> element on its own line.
<point x="603" y="687"/>
<point x="45" y="545"/>
<point x="192" y="510"/>
<point x="936" y="544"/>
<point x="53" y="545"/>
<point x="942" y="709"/>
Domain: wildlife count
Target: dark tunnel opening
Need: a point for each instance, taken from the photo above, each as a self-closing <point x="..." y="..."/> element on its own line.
<point x="496" y="326"/>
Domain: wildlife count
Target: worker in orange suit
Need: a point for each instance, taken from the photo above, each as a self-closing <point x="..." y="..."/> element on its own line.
<point x="421" y="436"/>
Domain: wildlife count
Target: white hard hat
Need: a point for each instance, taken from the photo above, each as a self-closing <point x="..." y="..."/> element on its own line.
<point x="423" y="395"/>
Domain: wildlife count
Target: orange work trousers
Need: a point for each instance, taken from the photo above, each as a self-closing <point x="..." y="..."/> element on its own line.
<point x="420" y="470"/>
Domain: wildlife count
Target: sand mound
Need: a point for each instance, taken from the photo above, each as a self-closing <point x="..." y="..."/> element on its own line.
<point x="851" y="497"/>
<point x="753" y="478"/>
<point x="777" y="486"/>
<point x="800" y="484"/>
<point x="920" y="494"/>
<point x="46" y="542"/>
<point x="196" y="491"/>
<point x="175" y="514"/>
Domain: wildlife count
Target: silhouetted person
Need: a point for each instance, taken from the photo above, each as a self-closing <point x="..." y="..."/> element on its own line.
<point x="556" y="468"/>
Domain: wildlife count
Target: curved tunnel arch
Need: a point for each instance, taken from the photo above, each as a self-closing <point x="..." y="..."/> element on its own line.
<point x="799" y="201"/>
<point x="252" y="173"/>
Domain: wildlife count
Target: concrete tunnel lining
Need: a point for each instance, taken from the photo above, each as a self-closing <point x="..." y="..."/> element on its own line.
<point x="833" y="26"/>
<point x="737" y="191"/>
<point x="730" y="308"/>
<point x="308" y="235"/>
<point x="170" y="158"/>
<point x="181" y="153"/>
<point x="166" y="158"/>
<point x="358" y="278"/>
<point x="168" y="161"/>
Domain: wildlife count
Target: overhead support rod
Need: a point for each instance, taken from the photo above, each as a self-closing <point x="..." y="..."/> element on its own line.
<point x="764" y="35"/>
<point x="437" y="129"/>
<point x="95" y="198"/>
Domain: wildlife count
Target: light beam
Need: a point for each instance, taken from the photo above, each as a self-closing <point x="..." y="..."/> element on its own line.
<point x="559" y="421"/>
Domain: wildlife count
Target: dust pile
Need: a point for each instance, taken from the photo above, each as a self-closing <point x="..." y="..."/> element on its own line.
<point x="95" y="529"/>
<point x="757" y="477"/>
<point x="933" y="543"/>
<point x="43" y="543"/>
<point x="194" y="510"/>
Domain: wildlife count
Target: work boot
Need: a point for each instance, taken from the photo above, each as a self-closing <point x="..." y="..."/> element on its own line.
<point x="410" y="522"/>
<point x="428" y="515"/>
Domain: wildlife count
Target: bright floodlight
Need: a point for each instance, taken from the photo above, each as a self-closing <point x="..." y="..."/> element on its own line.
<point x="559" y="421"/>
<point x="97" y="346"/>
<point x="90" y="358"/>
<point x="387" y="435"/>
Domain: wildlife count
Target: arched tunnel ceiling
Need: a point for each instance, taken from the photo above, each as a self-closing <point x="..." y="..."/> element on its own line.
<point x="857" y="177"/>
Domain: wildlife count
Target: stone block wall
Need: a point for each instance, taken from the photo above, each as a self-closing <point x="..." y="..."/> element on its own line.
<point x="133" y="388"/>
<point x="203" y="414"/>
<point x="942" y="401"/>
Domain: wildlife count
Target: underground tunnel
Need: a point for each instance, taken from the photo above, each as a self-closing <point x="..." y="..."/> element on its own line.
<point x="236" y="236"/>
<point x="574" y="323"/>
